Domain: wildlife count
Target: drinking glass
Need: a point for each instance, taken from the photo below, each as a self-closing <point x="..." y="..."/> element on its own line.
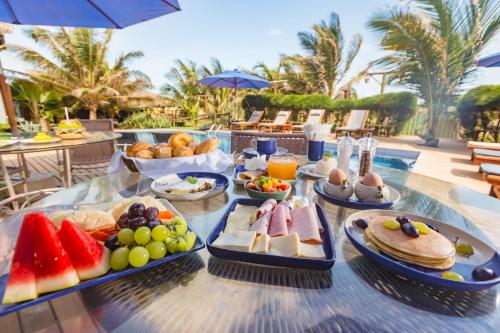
<point x="282" y="167"/>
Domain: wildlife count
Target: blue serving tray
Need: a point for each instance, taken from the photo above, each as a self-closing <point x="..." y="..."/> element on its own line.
<point x="111" y="275"/>
<point x="484" y="255"/>
<point x="356" y="204"/>
<point x="268" y="259"/>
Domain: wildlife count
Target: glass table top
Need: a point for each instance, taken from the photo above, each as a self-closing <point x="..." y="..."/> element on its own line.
<point x="202" y="293"/>
<point x="90" y="137"/>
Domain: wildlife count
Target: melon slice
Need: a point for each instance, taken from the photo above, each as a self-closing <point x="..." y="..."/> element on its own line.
<point x="21" y="285"/>
<point x="53" y="267"/>
<point x="89" y="257"/>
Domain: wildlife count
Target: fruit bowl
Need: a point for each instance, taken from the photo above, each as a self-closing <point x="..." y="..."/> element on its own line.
<point x="278" y="196"/>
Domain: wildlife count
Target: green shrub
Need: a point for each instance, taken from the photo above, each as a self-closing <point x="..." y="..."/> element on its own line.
<point x="479" y="108"/>
<point x="144" y="120"/>
<point x="399" y="107"/>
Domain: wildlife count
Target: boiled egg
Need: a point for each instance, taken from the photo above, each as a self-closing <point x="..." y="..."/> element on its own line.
<point x="337" y="177"/>
<point x="372" y="179"/>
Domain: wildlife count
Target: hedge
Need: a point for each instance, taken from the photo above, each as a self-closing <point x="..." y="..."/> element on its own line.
<point x="399" y="107"/>
<point x="479" y="107"/>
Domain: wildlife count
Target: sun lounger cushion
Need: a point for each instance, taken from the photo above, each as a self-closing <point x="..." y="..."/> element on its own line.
<point x="487" y="152"/>
<point x="483" y="145"/>
<point x="491" y="169"/>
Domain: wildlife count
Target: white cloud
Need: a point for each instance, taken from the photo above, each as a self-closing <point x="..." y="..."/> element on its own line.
<point x="274" y="32"/>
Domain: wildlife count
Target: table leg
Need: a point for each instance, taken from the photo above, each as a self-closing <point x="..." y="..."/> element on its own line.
<point x="67" y="167"/>
<point x="8" y="183"/>
<point x="25" y="173"/>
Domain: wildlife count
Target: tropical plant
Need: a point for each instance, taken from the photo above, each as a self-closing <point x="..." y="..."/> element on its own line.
<point x="434" y="47"/>
<point x="40" y="102"/>
<point x="144" y="120"/>
<point x="323" y="70"/>
<point x="76" y="65"/>
<point x="274" y="75"/>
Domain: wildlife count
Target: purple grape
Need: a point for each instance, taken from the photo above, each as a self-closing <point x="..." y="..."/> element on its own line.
<point x="482" y="273"/>
<point x="136" y="209"/>
<point x="153" y="223"/>
<point x="361" y="223"/>
<point x="402" y="220"/>
<point x="433" y="227"/>
<point x="112" y="242"/>
<point x="151" y="213"/>
<point x="123" y="221"/>
<point x="410" y="230"/>
<point x="136" y="222"/>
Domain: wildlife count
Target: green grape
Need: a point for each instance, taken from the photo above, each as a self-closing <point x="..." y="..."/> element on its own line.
<point x="422" y="227"/>
<point x="392" y="224"/>
<point x="138" y="256"/>
<point x="452" y="276"/>
<point x="126" y="236"/>
<point x="142" y="235"/>
<point x="182" y="245"/>
<point x="119" y="258"/>
<point x="190" y="238"/>
<point x="159" y="233"/>
<point x="171" y="244"/>
<point x="156" y="249"/>
<point x="464" y="249"/>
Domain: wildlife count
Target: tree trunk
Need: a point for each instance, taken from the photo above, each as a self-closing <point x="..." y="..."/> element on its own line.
<point x="92" y="112"/>
<point x="434" y="111"/>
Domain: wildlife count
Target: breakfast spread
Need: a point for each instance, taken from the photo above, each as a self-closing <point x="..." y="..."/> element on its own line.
<point x="325" y="165"/>
<point x="58" y="252"/>
<point x="69" y="129"/>
<point x="273" y="228"/>
<point x="180" y="144"/>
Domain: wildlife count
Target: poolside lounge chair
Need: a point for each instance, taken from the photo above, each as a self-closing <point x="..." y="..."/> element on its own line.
<point x="253" y="121"/>
<point x="491" y="173"/>
<point x="355" y="124"/>
<point x="485" y="156"/>
<point x="314" y="117"/>
<point x="280" y="123"/>
<point x="471" y="145"/>
<point x="295" y="143"/>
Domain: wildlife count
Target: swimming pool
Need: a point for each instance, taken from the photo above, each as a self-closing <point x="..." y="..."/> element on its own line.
<point x="392" y="158"/>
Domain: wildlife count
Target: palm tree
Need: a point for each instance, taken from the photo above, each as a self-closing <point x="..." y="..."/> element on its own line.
<point x="76" y="65"/>
<point x="273" y="75"/>
<point x="325" y="67"/>
<point x="40" y="102"/>
<point x="434" y="48"/>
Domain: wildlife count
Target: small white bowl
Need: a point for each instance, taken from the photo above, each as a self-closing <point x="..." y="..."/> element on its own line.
<point x="342" y="191"/>
<point x="371" y="194"/>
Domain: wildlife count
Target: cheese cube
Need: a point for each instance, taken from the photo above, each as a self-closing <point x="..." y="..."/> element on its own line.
<point x="286" y="246"/>
<point x="238" y="240"/>
<point x="312" y="251"/>
<point x="261" y="244"/>
<point x="247" y="212"/>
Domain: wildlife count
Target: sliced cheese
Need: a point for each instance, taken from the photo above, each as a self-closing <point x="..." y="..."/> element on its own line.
<point x="312" y="251"/>
<point x="236" y="222"/>
<point x="262" y="244"/>
<point x="238" y="240"/>
<point x="286" y="246"/>
<point x="248" y="212"/>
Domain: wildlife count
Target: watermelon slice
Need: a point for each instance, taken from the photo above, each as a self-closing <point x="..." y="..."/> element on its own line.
<point x="53" y="267"/>
<point x="89" y="257"/>
<point x="21" y="285"/>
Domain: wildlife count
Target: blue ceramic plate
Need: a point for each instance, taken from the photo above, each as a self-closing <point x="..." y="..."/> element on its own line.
<point x="111" y="275"/>
<point x="252" y="152"/>
<point x="268" y="259"/>
<point x="221" y="184"/>
<point x="484" y="254"/>
<point x="353" y="202"/>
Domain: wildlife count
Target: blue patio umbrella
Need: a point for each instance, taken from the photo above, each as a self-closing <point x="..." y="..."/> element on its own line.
<point x="235" y="79"/>
<point x="490" y="61"/>
<point x="115" y="14"/>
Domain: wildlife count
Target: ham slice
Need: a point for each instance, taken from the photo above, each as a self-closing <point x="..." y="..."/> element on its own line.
<point x="260" y="226"/>
<point x="278" y="225"/>
<point x="268" y="205"/>
<point x="287" y="211"/>
<point x="305" y="224"/>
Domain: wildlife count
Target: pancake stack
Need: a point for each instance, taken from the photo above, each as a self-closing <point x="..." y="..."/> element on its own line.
<point x="432" y="250"/>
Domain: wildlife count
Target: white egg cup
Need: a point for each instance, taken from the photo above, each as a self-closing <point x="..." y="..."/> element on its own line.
<point x="343" y="191"/>
<point x="370" y="194"/>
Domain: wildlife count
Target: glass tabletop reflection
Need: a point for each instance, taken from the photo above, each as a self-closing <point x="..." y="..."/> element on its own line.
<point x="202" y="293"/>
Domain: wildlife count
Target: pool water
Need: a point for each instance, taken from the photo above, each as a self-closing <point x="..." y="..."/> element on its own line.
<point x="392" y="158"/>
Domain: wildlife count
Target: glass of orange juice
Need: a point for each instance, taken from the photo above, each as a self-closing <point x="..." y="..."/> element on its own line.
<point x="282" y="167"/>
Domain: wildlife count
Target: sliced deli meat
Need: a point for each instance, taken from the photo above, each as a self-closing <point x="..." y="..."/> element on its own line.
<point x="262" y="224"/>
<point x="278" y="225"/>
<point x="288" y="215"/>
<point x="268" y="205"/>
<point x="305" y="224"/>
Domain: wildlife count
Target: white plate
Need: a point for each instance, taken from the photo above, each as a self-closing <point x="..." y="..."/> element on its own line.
<point x="5" y="143"/>
<point x="308" y="170"/>
<point x="34" y="142"/>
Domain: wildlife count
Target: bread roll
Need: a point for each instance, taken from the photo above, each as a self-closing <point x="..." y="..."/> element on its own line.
<point x="162" y="151"/>
<point x="138" y="146"/>
<point x="183" y="151"/>
<point x="207" y="146"/>
<point x="180" y="139"/>
<point x="147" y="154"/>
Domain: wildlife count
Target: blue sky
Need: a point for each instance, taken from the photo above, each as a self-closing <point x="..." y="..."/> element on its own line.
<point x="241" y="33"/>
